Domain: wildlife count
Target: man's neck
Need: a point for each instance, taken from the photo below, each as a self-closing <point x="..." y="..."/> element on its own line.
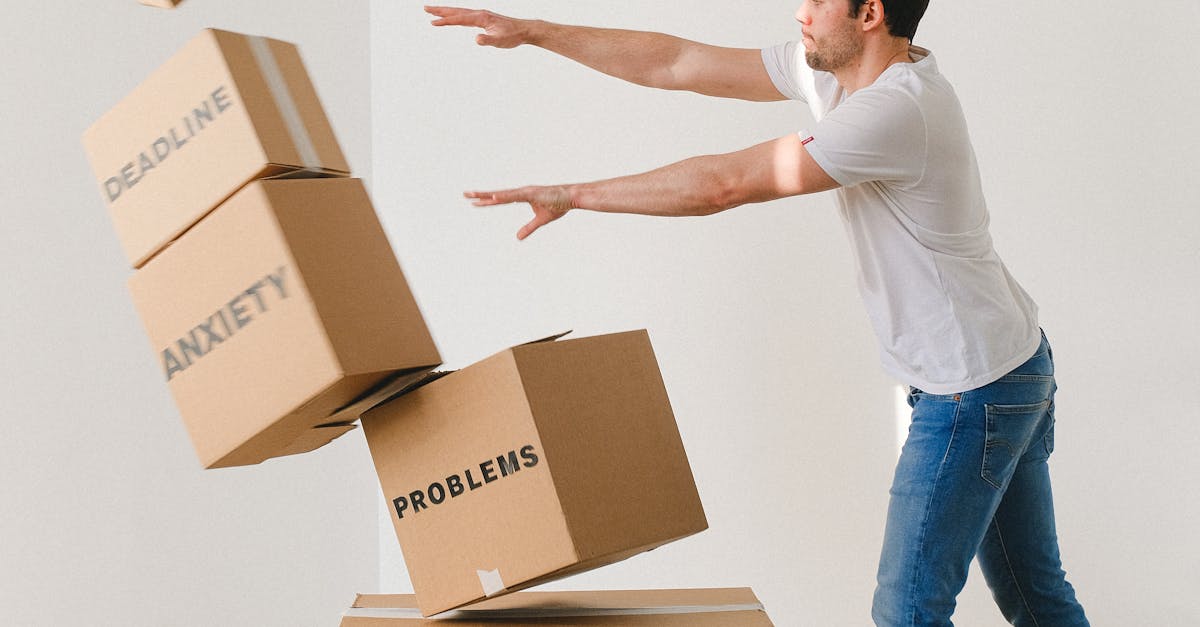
<point x="877" y="56"/>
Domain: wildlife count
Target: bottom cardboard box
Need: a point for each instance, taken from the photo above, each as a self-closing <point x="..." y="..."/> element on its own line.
<point x="711" y="607"/>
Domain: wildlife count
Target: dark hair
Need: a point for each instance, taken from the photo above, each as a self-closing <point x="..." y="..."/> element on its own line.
<point x="902" y="16"/>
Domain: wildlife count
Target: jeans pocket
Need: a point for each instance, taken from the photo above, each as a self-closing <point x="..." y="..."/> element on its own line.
<point x="1009" y="430"/>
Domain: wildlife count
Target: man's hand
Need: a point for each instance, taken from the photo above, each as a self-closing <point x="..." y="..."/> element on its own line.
<point x="548" y="204"/>
<point x="498" y="31"/>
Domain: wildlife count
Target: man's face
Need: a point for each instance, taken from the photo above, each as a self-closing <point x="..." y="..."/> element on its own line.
<point x="832" y="38"/>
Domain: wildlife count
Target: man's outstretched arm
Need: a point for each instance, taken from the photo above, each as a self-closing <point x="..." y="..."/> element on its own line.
<point x="649" y="59"/>
<point x="692" y="187"/>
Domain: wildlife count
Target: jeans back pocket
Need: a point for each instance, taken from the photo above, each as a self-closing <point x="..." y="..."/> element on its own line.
<point x="1010" y="429"/>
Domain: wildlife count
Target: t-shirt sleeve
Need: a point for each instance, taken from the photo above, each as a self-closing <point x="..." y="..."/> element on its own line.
<point x="786" y="65"/>
<point x="875" y="135"/>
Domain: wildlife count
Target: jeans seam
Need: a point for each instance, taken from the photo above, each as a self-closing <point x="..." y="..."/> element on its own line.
<point x="987" y="431"/>
<point x="1012" y="573"/>
<point x="912" y="592"/>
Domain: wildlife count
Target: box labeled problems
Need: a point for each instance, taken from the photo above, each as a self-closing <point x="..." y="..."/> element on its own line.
<point x="544" y="460"/>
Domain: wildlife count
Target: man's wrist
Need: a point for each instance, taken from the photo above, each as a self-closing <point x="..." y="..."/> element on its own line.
<point x="534" y="32"/>
<point x="572" y="193"/>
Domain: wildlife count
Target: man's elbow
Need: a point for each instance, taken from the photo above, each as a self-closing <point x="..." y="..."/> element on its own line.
<point x="723" y="194"/>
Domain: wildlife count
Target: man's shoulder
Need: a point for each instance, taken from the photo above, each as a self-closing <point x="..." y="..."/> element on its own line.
<point x="894" y="94"/>
<point x="917" y="84"/>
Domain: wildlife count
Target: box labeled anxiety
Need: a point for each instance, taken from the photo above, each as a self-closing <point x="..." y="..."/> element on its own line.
<point x="225" y="110"/>
<point x="276" y="310"/>
<point x="544" y="460"/>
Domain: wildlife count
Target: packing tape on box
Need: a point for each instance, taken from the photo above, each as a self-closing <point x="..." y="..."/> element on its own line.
<point x="553" y="612"/>
<point x="491" y="582"/>
<point x="261" y="49"/>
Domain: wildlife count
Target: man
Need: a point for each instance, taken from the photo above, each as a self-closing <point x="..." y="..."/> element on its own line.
<point x="952" y="323"/>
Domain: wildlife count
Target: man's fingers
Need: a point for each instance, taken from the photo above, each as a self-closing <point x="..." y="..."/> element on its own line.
<point x="488" y="199"/>
<point x="444" y="11"/>
<point x="450" y="16"/>
<point x="536" y="223"/>
<point x="481" y="199"/>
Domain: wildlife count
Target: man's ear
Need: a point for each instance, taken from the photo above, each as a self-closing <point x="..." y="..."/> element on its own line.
<point x="871" y="15"/>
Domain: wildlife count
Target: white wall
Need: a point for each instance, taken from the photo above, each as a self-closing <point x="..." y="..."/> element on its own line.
<point x="106" y="517"/>
<point x="1084" y="121"/>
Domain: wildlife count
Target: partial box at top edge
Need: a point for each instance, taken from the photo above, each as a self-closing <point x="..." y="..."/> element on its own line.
<point x="275" y="312"/>
<point x="225" y="110"/>
<point x="711" y="607"/>
<point x="539" y="462"/>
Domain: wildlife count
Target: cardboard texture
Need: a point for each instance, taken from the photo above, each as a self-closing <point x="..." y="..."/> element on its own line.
<point x="225" y="110"/>
<point x="718" y="607"/>
<point x="538" y="462"/>
<point x="275" y="313"/>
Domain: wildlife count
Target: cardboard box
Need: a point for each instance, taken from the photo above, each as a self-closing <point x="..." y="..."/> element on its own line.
<point x="225" y="110"/>
<point x="277" y="310"/>
<point x="544" y="460"/>
<point x="720" y="607"/>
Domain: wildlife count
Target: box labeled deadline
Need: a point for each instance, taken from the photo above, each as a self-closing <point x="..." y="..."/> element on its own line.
<point x="225" y="110"/>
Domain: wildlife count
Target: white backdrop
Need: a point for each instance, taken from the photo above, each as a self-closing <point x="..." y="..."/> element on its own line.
<point x="1084" y="123"/>
<point x="107" y="517"/>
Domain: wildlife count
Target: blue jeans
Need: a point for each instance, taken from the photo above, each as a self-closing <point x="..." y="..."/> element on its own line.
<point x="972" y="480"/>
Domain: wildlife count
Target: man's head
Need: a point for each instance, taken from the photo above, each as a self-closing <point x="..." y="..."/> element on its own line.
<point x="836" y="32"/>
<point x="901" y="16"/>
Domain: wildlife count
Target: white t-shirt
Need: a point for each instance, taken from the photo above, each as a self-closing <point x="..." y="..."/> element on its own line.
<point x="948" y="315"/>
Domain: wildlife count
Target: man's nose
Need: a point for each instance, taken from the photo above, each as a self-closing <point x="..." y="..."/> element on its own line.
<point x="802" y="16"/>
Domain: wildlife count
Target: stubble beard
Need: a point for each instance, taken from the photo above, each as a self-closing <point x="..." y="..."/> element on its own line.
<point x="834" y="52"/>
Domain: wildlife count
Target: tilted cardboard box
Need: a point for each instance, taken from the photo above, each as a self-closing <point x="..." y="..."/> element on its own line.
<point x="277" y="309"/>
<point x="225" y="110"/>
<point x="717" y="607"/>
<point x="539" y="462"/>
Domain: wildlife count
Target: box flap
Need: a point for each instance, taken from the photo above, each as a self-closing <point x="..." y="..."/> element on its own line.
<point x="548" y="338"/>
<point x="282" y="172"/>
<point x="397" y="384"/>
<point x="403" y="383"/>
<point x="385" y="601"/>
<point x="315" y="438"/>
